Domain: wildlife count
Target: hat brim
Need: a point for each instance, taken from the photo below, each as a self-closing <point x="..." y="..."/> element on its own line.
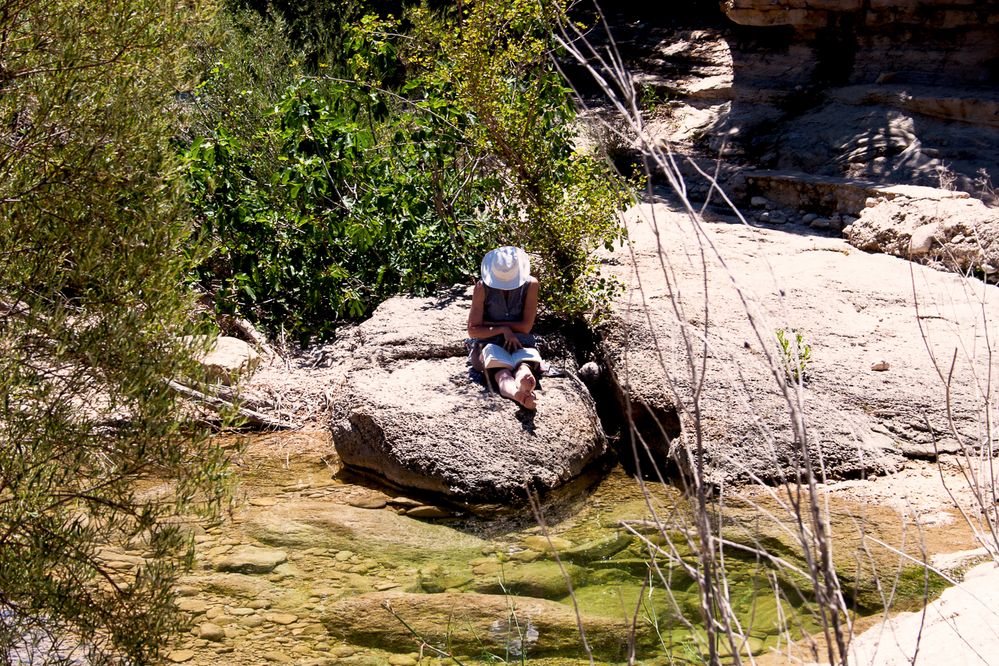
<point x="522" y="263"/>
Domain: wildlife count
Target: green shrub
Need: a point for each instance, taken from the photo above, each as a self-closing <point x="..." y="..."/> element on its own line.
<point x="557" y="203"/>
<point x="392" y="168"/>
<point x="344" y="195"/>
<point x="794" y="354"/>
<point x="92" y="324"/>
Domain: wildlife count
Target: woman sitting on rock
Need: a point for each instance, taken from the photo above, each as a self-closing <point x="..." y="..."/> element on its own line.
<point x="504" y="304"/>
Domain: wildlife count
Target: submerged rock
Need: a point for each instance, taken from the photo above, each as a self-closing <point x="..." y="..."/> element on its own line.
<point x="544" y="579"/>
<point x="468" y="623"/>
<point x="409" y="412"/>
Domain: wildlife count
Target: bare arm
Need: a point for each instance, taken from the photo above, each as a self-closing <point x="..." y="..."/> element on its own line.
<point x="526" y="322"/>
<point x="479" y="329"/>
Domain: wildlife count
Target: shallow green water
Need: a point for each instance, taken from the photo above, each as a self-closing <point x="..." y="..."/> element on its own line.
<point x="616" y="573"/>
<point x="485" y="589"/>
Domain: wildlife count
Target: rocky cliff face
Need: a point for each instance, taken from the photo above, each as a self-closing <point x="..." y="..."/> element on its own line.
<point x="886" y="91"/>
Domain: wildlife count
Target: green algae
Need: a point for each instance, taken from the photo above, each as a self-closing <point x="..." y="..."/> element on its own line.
<point x="611" y="562"/>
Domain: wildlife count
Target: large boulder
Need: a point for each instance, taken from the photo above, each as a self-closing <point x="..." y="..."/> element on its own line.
<point x="410" y="412"/>
<point x="937" y="229"/>
<point x="872" y="393"/>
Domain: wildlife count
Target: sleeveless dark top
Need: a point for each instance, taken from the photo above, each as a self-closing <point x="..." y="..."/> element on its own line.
<point x="504" y="304"/>
<point x="501" y="305"/>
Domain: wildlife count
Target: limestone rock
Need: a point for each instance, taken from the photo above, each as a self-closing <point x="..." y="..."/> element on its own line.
<point x="850" y="306"/>
<point x="251" y="560"/>
<point x="229" y="359"/>
<point x="410" y="413"/>
<point x="469" y="622"/>
<point x="211" y="632"/>
<point x="953" y="234"/>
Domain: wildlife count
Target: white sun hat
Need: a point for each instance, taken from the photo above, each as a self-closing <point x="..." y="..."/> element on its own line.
<point x="505" y="268"/>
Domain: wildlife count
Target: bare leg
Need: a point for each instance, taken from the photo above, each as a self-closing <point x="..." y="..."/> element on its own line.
<point x="525" y="386"/>
<point x="510" y="387"/>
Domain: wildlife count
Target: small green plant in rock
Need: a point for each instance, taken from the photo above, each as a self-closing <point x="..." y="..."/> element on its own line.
<point x="795" y="354"/>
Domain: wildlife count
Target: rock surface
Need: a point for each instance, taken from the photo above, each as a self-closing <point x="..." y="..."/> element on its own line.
<point x="229" y="359"/>
<point x="409" y="412"/>
<point x="853" y="309"/>
<point x="957" y="628"/>
<point x="468" y="623"/>
<point x="954" y="234"/>
<point x="883" y="92"/>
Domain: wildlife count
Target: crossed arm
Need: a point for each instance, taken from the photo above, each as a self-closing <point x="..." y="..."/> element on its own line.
<point x="479" y="329"/>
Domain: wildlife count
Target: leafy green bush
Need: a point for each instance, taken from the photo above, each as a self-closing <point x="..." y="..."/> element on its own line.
<point x="354" y="186"/>
<point x="558" y="204"/>
<point x="346" y="194"/>
<point x="92" y="324"/>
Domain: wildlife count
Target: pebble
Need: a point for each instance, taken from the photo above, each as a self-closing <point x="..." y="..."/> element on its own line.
<point x="263" y="501"/>
<point x="758" y="202"/>
<point x="404" y="502"/>
<point x="281" y="618"/>
<point x="238" y="612"/>
<point x="192" y="606"/>
<point x="258" y="604"/>
<point x="211" y="632"/>
<point x="880" y="366"/>
<point x="389" y="585"/>
<point x="180" y="656"/>
<point x="428" y="511"/>
<point x="525" y="555"/>
<point x="186" y="591"/>
<point x="342" y="651"/>
<point x="808" y="218"/>
<point x="543" y="544"/>
<point x="368" y="501"/>
<point x="278" y="657"/>
<point x="120" y="565"/>
<point x="252" y="621"/>
<point x="251" y="559"/>
<point x="214" y="612"/>
<point x="402" y="660"/>
<point x="344" y="555"/>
